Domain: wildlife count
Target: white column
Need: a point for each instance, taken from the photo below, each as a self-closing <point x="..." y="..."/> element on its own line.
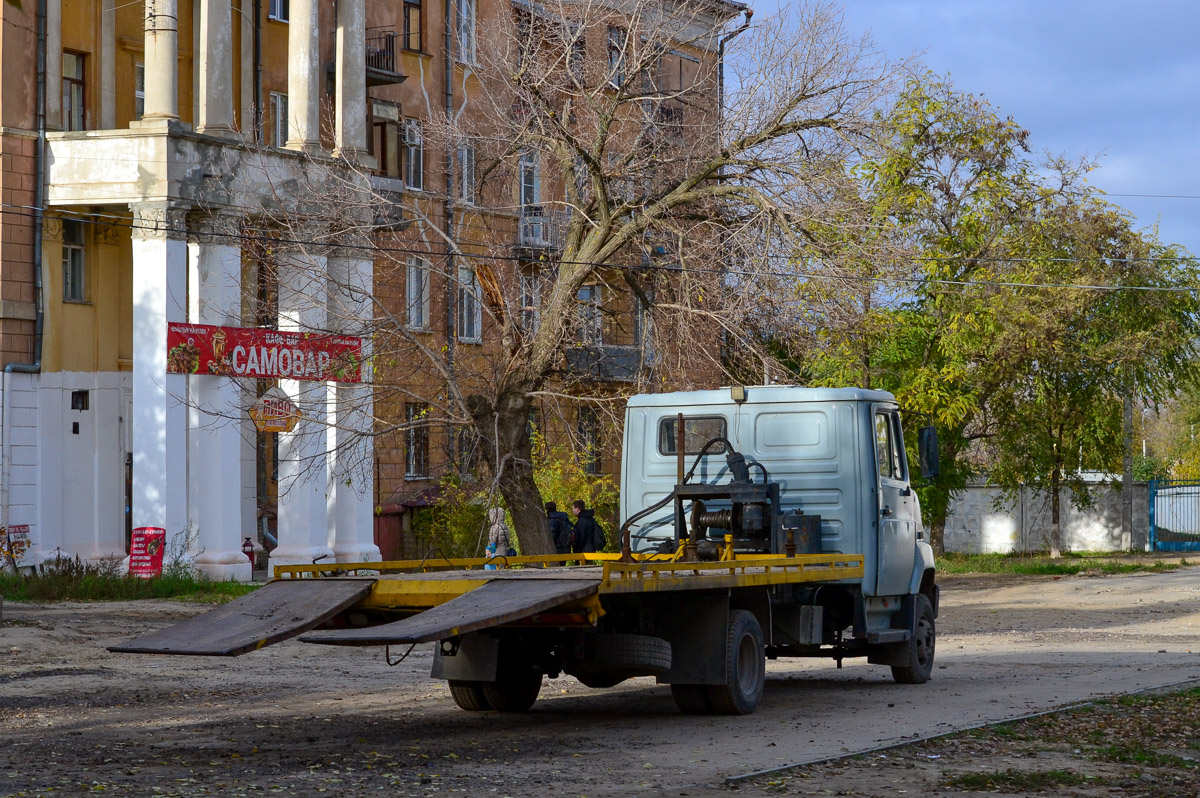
<point x="162" y="59"/>
<point x="350" y="122"/>
<point x="352" y="464"/>
<point x="246" y="26"/>
<point x="304" y="77"/>
<point x="54" y="64"/>
<point x="303" y="453"/>
<point x="220" y="422"/>
<point x="159" y="410"/>
<point x="216" y="68"/>
<point x="108" y="65"/>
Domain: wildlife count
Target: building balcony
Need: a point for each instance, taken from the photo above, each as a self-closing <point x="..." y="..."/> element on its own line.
<point x="609" y="362"/>
<point x="543" y="228"/>
<point x="382" y="68"/>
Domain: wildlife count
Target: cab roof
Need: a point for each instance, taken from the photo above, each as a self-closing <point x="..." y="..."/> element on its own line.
<point x="760" y="394"/>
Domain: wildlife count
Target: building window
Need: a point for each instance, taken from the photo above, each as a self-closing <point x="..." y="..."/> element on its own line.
<point x="531" y="301"/>
<point x="414" y="154"/>
<point x="531" y="179"/>
<point x="73" y="108"/>
<point x="279" y="119"/>
<point x="417" y="293"/>
<point x="616" y="56"/>
<point x="470" y="310"/>
<point x="466" y="174"/>
<point x="588" y="428"/>
<point x="416" y="440"/>
<point x="575" y="59"/>
<point x="279" y="10"/>
<point x="464" y="29"/>
<point x="74" y="287"/>
<point x="590" y="322"/>
<point x="412" y="25"/>
<point x="139" y="90"/>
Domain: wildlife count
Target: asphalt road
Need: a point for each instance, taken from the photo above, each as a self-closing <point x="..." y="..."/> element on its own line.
<point x="301" y="719"/>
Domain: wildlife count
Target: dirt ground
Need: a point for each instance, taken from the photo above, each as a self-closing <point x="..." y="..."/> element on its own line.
<point x="305" y="720"/>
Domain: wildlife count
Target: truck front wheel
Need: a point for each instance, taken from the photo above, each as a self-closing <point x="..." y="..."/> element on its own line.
<point x="745" y="667"/>
<point x="919" y="650"/>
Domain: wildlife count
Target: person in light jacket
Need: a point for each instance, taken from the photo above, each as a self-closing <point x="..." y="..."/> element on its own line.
<point x="498" y="536"/>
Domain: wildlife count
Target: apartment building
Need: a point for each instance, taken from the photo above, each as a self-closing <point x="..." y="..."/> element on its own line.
<point x="164" y="164"/>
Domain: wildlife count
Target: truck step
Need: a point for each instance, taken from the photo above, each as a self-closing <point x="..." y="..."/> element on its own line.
<point x="888" y="636"/>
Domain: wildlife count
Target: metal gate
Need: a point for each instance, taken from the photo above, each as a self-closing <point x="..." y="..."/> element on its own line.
<point x="1175" y="515"/>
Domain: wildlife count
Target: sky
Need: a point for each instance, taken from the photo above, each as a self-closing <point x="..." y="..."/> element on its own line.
<point x="1115" y="80"/>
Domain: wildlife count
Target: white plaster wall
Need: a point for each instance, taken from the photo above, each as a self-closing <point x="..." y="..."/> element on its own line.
<point x="977" y="525"/>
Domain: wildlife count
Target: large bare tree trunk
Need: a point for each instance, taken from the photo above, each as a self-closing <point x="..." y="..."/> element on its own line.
<point x="937" y="536"/>
<point x="503" y="430"/>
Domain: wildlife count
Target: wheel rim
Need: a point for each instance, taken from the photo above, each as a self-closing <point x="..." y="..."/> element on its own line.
<point x="747" y="665"/>
<point x="924" y="642"/>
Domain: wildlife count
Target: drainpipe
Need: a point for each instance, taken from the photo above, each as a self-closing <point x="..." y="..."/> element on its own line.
<point x="39" y="199"/>
<point x="451" y="269"/>
<point x="258" y="104"/>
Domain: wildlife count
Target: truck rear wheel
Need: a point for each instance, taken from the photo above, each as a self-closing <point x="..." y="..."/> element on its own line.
<point x="469" y="695"/>
<point x="745" y="667"/>
<point x="513" y="692"/>
<point x="920" y="649"/>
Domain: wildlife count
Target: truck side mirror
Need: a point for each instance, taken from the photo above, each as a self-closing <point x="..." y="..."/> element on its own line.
<point x="927" y="452"/>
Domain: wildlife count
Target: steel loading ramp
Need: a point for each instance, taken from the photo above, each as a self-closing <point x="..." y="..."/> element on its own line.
<point x="500" y="601"/>
<point x="275" y="612"/>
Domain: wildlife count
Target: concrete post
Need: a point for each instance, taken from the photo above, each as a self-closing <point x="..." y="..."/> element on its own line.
<point x="216" y="69"/>
<point x="54" y="120"/>
<point x="162" y="59"/>
<point x="303" y="453"/>
<point x="304" y="77"/>
<point x="220" y="424"/>
<point x="159" y="399"/>
<point x="350" y="123"/>
<point x="352" y="518"/>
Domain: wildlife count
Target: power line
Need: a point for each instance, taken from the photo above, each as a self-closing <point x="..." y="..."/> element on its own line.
<point x="119" y="221"/>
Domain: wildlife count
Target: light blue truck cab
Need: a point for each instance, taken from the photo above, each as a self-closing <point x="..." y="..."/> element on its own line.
<point x="836" y="453"/>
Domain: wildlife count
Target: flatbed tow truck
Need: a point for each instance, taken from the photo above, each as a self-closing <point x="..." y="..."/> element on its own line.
<point x="819" y="555"/>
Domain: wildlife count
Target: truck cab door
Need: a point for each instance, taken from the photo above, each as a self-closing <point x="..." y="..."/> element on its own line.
<point x="896" y="526"/>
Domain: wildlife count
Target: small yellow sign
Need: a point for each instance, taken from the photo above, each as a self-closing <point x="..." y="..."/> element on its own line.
<point x="274" y="412"/>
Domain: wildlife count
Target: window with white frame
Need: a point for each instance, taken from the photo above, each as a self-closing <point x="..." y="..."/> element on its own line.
<point x="464" y="31"/>
<point x="616" y="56"/>
<point x="591" y="329"/>
<point x="417" y="293"/>
<point x="531" y="301"/>
<point x="74" y="286"/>
<point x="279" y="119"/>
<point x="466" y="174"/>
<point x="470" y="309"/>
<point x="531" y="179"/>
<point x="416" y="440"/>
<point x="279" y="10"/>
<point x="414" y="154"/>
<point x="139" y="89"/>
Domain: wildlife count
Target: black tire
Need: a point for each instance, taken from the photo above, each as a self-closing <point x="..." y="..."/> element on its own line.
<point x="469" y="695"/>
<point x="613" y="658"/>
<point x="919" y="650"/>
<point x="745" y="667"/>
<point x="514" y="692"/>
<point x="692" y="699"/>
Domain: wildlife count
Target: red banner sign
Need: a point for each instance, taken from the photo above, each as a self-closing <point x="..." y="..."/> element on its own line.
<point x="146" y="552"/>
<point x="262" y="354"/>
<point x="14" y="544"/>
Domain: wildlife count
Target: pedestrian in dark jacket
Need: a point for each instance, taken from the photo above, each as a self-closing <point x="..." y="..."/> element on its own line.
<point x="589" y="537"/>
<point x="562" y="531"/>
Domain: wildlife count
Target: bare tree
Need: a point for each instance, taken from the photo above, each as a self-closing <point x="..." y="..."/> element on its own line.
<point x="666" y="152"/>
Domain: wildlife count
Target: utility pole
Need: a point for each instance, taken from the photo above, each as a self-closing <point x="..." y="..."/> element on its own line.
<point x="1127" y="477"/>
